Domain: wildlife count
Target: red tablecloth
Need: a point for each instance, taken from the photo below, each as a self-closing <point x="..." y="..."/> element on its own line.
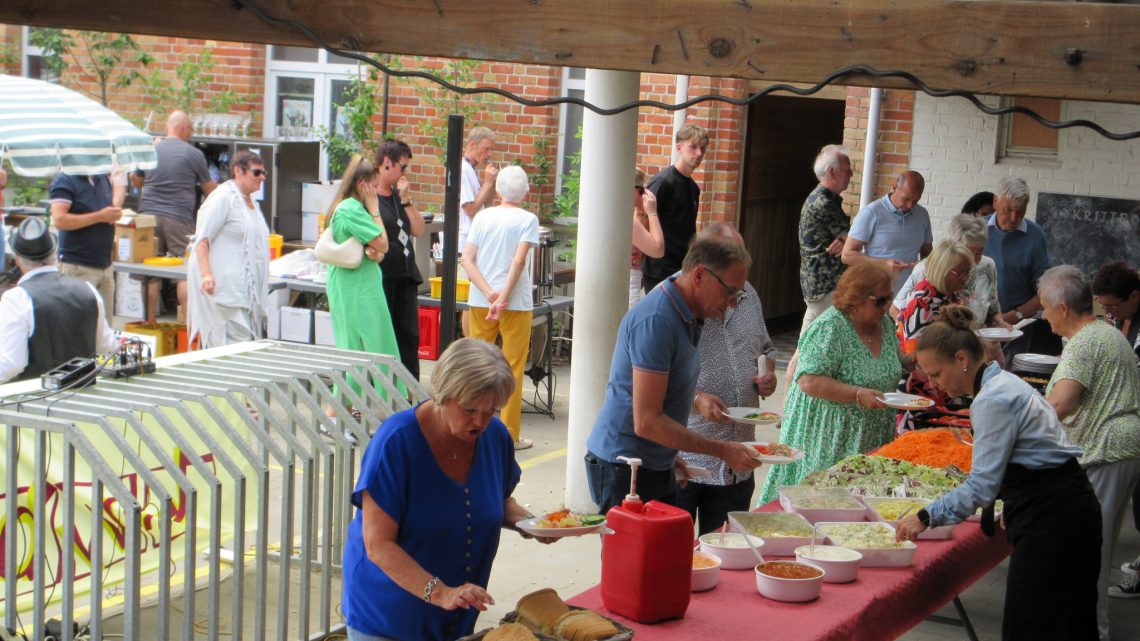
<point x="883" y="603"/>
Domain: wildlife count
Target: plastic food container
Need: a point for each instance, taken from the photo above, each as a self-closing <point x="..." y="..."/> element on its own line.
<point x="817" y="504"/>
<point x="782" y="532"/>
<point x="786" y="589"/>
<point x="705" y="577"/>
<point x="873" y="503"/>
<point x="873" y="557"/>
<point x="840" y="564"/>
<point x="734" y="552"/>
<point x="462" y="287"/>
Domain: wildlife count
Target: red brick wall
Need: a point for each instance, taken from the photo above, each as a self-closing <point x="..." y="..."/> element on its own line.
<point x="892" y="154"/>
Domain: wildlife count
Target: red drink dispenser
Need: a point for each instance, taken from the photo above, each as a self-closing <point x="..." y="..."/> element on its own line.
<point x="647" y="558"/>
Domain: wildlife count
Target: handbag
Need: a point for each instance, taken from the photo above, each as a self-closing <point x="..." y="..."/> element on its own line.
<point x="347" y="254"/>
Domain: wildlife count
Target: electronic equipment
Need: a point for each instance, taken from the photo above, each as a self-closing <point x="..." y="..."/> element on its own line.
<point x="75" y="373"/>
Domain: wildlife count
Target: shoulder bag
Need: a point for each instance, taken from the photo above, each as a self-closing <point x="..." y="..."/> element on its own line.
<point x="347" y="254"/>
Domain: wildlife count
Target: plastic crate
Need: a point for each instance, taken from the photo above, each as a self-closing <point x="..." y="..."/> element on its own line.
<point x="462" y="287"/>
<point x="170" y="338"/>
<point x="429" y="333"/>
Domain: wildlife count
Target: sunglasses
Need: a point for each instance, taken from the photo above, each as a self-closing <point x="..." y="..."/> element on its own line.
<point x="734" y="294"/>
<point x="403" y="166"/>
<point x="258" y="172"/>
<point x="880" y="301"/>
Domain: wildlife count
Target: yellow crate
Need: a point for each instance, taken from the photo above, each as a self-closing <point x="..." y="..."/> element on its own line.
<point x="462" y="287"/>
<point x="166" y="335"/>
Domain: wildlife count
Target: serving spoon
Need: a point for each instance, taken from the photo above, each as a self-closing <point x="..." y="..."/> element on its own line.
<point x="747" y="538"/>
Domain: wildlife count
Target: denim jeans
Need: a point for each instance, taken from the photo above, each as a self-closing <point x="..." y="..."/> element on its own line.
<point x="609" y="483"/>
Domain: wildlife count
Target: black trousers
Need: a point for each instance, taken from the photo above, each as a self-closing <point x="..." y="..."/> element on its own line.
<point x="1053" y="521"/>
<point x="609" y="483"/>
<point x="403" y="305"/>
<point x="712" y="503"/>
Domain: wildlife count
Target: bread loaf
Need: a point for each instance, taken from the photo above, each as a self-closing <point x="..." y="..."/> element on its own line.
<point x="510" y="632"/>
<point x="584" y="625"/>
<point x="541" y="610"/>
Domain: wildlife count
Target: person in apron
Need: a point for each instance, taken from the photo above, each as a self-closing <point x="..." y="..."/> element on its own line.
<point x="1021" y="455"/>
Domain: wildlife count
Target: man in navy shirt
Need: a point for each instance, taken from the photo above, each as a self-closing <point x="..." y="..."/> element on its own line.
<point x="653" y="380"/>
<point x="84" y="210"/>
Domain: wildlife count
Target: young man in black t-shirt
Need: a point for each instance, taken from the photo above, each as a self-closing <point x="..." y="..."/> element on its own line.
<point x="677" y="199"/>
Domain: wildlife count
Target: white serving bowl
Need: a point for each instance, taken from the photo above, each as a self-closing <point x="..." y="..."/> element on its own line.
<point x="789" y="590"/>
<point x="705" y="578"/>
<point x="840" y="564"/>
<point x="734" y="554"/>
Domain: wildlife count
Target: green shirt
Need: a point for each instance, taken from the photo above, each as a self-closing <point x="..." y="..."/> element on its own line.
<point x="1106" y="424"/>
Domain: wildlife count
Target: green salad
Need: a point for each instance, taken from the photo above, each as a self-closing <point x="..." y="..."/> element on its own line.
<point x="880" y="476"/>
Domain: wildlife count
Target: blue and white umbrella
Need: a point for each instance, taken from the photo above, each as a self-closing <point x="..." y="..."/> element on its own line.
<point x="45" y="128"/>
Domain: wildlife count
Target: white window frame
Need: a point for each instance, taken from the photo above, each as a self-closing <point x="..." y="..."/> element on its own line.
<point x="29" y="50"/>
<point x="1008" y="152"/>
<point x="568" y="84"/>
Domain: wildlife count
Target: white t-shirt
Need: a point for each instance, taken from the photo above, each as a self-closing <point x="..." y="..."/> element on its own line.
<point x="468" y="190"/>
<point x="496" y="234"/>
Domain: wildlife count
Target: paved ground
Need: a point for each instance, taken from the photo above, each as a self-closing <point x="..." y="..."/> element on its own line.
<point x="574" y="565"/>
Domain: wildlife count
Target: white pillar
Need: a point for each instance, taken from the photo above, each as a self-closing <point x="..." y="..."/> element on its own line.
<point x="601" y="283"/>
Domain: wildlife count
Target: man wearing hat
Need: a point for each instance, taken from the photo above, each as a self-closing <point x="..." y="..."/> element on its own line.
<point x="48" y="318"/>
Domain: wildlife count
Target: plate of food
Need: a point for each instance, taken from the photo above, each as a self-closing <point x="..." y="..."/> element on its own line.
<point x="562" y="523"/>
<point x="775" y="453"/>
<point x="753" y="415"/>
<point x="901" y="401"/>
<point x="998" y="334"/>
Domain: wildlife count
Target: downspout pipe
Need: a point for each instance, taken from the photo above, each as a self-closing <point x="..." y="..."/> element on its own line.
<point x="681" y="95"/>
<point x="866" y="194"/>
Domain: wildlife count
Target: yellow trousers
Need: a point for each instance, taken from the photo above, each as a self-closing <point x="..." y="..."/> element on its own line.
<point x="514" y="327"/>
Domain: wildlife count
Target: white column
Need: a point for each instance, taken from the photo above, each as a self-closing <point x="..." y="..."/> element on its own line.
<point x="601" y="284"/>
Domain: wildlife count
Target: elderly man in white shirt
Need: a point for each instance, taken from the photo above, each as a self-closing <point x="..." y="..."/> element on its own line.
<point x="48" y="318"/>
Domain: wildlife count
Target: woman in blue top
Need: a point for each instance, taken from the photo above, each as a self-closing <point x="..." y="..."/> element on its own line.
<point x="1021" y="455"/>
<point x="433" y="493"/>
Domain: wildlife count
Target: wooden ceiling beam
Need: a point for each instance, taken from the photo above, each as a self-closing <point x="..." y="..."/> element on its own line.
<point x="1086" y="51"/>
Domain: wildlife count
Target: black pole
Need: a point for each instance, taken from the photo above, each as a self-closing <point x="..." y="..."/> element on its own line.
<point x="451" y="215"/>
<point x="384" y="123"/>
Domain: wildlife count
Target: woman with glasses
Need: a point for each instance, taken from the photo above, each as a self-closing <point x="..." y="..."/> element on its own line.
<point x="1116" y="287"/>
<point x="228" y="274"/>
<point x="849" y="357"/>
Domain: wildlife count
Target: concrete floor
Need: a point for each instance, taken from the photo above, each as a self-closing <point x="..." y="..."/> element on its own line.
<point x="573" y="565"/>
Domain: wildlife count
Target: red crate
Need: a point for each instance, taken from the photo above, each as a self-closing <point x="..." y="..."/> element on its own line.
<point x="429" y="333"/>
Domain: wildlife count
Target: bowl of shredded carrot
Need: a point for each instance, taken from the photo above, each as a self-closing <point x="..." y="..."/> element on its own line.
<point x="935" y="447"/>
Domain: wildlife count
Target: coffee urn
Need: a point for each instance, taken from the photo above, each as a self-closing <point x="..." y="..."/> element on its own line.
<point x="542" y="265"/>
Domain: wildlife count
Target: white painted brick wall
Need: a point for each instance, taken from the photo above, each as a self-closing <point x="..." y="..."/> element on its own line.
<point x="954" y="147"/>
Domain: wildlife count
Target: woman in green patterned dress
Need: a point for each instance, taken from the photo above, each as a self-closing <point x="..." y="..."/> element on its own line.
<point x="849" y="356"/>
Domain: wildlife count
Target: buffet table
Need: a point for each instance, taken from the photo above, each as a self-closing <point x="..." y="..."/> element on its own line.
<point x="883" y="603"/>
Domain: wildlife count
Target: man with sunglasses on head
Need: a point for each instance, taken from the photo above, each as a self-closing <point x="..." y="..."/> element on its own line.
<point x="678" y="197"/>
<point x="653" y="380"/>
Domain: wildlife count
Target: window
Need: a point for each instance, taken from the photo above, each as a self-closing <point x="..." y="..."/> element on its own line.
<point x="569" y="144"/>
<point x="1019" y="136"/>
<point x="32" y="63"/>
<point x="304" y="87"/>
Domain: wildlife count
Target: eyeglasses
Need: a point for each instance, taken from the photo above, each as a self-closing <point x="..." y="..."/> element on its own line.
<point x="958" y="274"/>
<point x="880" y="301"/>
<point x="1110" y="308"/>
<point x="735" y="294"/>
<point x="257" y="173"/>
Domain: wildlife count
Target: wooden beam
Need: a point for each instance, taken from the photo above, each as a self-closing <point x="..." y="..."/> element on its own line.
<point x="1086" y="51"/>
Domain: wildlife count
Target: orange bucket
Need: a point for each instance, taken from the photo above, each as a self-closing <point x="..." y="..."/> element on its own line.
<point x="276" y="241"/>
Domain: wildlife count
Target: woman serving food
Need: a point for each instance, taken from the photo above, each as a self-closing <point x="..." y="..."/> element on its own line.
<point x="433" y="494"/>
<point x="1022" y="455"/>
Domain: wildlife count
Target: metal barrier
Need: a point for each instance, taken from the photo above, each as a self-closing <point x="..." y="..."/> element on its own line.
<point x="177" y="451"/>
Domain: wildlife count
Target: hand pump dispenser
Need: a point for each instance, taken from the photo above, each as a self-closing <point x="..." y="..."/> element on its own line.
<point x="647" y="557"/>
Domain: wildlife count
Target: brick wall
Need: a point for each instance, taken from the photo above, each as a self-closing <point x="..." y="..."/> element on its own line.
<point x="893" y="151"/>
<point x="955" y="146"/>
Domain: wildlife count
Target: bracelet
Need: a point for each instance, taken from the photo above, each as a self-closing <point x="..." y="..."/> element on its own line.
<point x="434" y="581"/>
<point x="407" y="204"/>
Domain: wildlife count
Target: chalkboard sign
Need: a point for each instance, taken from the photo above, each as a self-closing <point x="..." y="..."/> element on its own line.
<point x="1088" y="231"/>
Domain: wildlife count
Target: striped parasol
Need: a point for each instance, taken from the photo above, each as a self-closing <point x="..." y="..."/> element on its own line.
<point x="45" y="128"/>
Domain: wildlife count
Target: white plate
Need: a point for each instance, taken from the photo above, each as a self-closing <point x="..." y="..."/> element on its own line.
<point x="999" y="334"/>
<point x="530" y="526"/>
<point x="1038" y="359"/>
<point x="773" y="459"/>
<point x="901" y="401"/>
<point x="740" y="415"/>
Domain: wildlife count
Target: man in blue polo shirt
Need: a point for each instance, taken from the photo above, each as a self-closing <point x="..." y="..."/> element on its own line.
<point x="1018" y="247"/>
<point x="653" y="378"/>
<point x="895" y="229"/>
<point x="84" y="210"/>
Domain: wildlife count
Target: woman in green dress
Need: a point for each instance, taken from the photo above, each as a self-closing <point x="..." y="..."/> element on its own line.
<point x="849" y="356"/>
<point x="359" y="310"/>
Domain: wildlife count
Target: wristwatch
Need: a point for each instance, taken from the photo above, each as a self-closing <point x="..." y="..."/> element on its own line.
<point x="924" y="517"/>
<point x="1018" y="314"/>
<point x="407" y="204"/>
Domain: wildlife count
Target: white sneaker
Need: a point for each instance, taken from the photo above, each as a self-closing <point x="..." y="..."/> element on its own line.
<point x="1129" y="588"/>
<point x="1131" y="567"/>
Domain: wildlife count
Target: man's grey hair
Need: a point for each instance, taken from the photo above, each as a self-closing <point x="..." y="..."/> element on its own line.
<point x="1013" y="189"/>
<point x="968" y="229"/>
<point x="829" y="159"/>
<point x="478" y="135"/>
<point x="512" y="184"/>
<point x="28" y="265"/>
<point x="714" y="252"/>
<point x="1066" y="285"/>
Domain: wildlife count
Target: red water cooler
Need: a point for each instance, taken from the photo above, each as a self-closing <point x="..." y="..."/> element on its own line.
<point x="647" y="558"/>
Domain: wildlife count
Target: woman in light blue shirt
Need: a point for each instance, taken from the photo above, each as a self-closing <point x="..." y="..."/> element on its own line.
<point x="1021" y="455"/>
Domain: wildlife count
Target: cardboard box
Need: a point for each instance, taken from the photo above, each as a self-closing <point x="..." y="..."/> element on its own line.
<point x="134" y="238"/>
<point x="128" y="297"/>
<point x="317" y="197"/>
<point x="296" y="324"/>
<point x="273" y="324"/>
<point x="309" y="226"/>
<point x="323" y="329"/>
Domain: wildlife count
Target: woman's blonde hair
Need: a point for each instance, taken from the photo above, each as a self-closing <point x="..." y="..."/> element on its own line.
<point x="359" y="168"/>
<point x="471" y="369"/>
<point x="942" y="259"/>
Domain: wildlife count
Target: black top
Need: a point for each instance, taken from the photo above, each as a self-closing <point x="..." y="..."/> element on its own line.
<point x="400" y="261"/>
<point x="677" y="199"/>
<point x="65" y="313"/>
<point x="92" y="245"/>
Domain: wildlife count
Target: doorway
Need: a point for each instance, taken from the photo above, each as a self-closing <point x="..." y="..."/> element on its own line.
<point x="783" y="137"/>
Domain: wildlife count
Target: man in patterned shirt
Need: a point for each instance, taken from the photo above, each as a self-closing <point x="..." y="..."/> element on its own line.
<point x="729" y="348"/>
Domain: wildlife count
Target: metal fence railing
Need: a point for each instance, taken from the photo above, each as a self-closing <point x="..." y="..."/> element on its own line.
<point x="219" y="486"/>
